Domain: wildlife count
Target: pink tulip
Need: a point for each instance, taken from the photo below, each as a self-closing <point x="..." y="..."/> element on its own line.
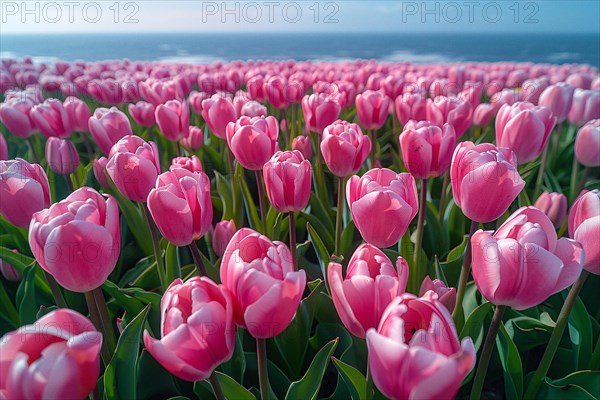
<point x="57" y="357"/>
<point x="142" y="113"/>
<point x="483" y="114"/>
<point x="253" y="109"/>
<point x="99" y="168"/>
<point x="3" y="149"/>
<point x="106" y="91"/>
<point x="194" y="139"/>
<point x="452" y="110"/>
<point x="381" y="197"/>
<point x="523" y="263"/>
<point x="525" y="129"/>
<point x="61" y="155"/>
<point x="303" y="145"/>
<point x="585" y="107"/>
<point x="78" y="240"/>
<point x="371" y="284"/>
<point x="558" y="98"/>
<point x="181" y="206"/>
<point x="9" y="272"/>
<point x="471" y="93"/>
<point x="195" y="100"/>
<point x="372" y="108"/>
<point x="587" y="144"/>
<point x="287" y="177"/>
<point x="411" y="106"/>
<point x="253" y="141"/>
<point x="415" y="352"/>
<point x="320" y="110"/>
<point x="554" y="205"/>
<point x="584" y="227"/>
<point x="426" y="148"/>
<point x="218" y="112"/>
<point x="192" y="163"/>
<point x="108" y="126"/>
<point x="344" y="148"/>
<point x="79" y="113"/>
<point x="266" y="290"/>
<point x="16" y="117"/>
<point x="133" y="165"/>
<point x="24" y="190"/>
<point x="222" y="234"/>
<point x="52" y="119"/>
<point x="197" y="332"/>
<point x="480" y="172"/>
<point x="446" y="295"/>
<point x="173" y="119"/>
<point x="274" y="89"/>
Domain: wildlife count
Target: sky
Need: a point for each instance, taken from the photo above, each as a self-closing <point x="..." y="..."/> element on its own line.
<point x="461" y="16"/>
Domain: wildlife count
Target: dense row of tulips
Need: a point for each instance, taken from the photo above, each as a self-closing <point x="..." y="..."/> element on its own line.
<point x="201" y="217"/>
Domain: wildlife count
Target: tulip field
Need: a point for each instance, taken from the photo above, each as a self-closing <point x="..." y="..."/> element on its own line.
<point x="299" y="230"/>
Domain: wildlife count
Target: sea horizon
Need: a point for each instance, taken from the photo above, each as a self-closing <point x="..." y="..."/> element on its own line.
<point x="204" y="47"/>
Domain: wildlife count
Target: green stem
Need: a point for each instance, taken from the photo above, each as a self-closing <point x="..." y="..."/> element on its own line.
<point x="293" y="240"/>
<point x="105" y="320"/>
<point x="486" y="353"/>
<point x="261" y="199"/>
<point x="540" y="177"/>
<point x="373" y="143"/>
<point x="198" y="259"/>
<point x="556" y="143"/>
<point x="56" y="292"/>
<point x="88" y="146"/>
<point x="69" y="184"/>
<point x="95" y="317"/>
<point x="464" y="274"/>
<point x="263" y="377"/>
<point x="214" y="382"/>
<point x="581" y="182"/>
<point x="369" y="394"/>
<point x="156" y="246"/>
<point x="557" y="333"/>
<point x="36" y="159"/>
<point x="574" y="181"/>
<point x="416" y="272"/>
<point x="339" y="215"/>
<point x="442" y="209"/>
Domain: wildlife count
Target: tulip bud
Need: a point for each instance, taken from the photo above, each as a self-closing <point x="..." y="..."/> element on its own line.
<point x="584" y="227"/>
<point x="426" y="148"/>
<point x="61" y="155"/>
<point x="253" y="141"/>
<point x="558" y="98"/>
<point x="260" y="276"/>
<point x="452" y="110"/>
<point x="24" y="190"/>
<point x="222" y="234"/>
<point x="77" y="240"/>
<point x="142" y="113"/>
<point x="99" y="168"/>
<point x="133" y="165"/>
<point x="52" y="119"/>
<point x="194" y="139"/>
<point x="554" y="205"/>
<point x="446" y="295"/>
<point x="16" y="117"/>
<point x="173" y="119"/>
<point x="372" y="108"/>
<point x="303" y="145"/>
<point x="79" y="113"/>
<point x="218" y="112"/>
<point x="483" y="114"/>
<point x="344" y="148"/>
<point x="587" y="144"/>
<point x="192" y="164"/>
<point x="507" y="265"/>
<point x="372" y="271"/>
<point x="319" y="111"/>
<point x="288" y="181"/>
<point x="181" y="206"/>
<point x="108" y="126"/>
<point x="381" y="197"/>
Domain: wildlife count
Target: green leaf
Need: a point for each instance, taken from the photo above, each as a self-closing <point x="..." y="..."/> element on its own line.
<point x="354" y="380"/>
<point x="474" y="324"/>
<point x="580" y="333"/>
<point x="232" y="389"/>
<point x="347" y="239"/>
<point x="172" y="264"/>
<point x="120" y="375"/>
<point x="453" y="263"/>
<point x="511" y="364"/>
<point x="251" y="210"/>
<point x="236" y="366"/>
<point x="9" y="312"/>
<point x="26" y="297"/>
<point x="134" y="219"/>
<point x="308" y="386"/>
<point x="580" y="385"/>
<point x="19" y="261"/>
<point x="153" y="379"/>
<point x="225" y="193"/>
<point x="293" y="341"/>
<point x="322" y="254"/>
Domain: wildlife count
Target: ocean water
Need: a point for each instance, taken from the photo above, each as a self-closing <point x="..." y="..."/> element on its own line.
<point x="207" y="47"/>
